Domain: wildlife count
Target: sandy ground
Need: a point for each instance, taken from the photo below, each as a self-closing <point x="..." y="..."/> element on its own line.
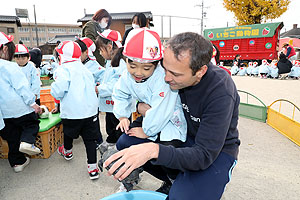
<point x="268" y="165"/>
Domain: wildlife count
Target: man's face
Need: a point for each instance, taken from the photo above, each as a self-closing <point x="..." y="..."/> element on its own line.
<point x="178" y="72"/>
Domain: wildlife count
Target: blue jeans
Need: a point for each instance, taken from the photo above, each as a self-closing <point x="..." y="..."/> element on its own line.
<point x="208" y="184"/>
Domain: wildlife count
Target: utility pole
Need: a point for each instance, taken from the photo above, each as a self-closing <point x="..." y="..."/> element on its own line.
<point x="36" y="29"/>
<point x="162" y="26"/>
<point x="202" y="17"/>
<point x="170" y="22"/>
<point x="203" y="14"/>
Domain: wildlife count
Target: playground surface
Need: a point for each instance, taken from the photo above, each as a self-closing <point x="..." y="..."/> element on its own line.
<point x="268" y="165"/>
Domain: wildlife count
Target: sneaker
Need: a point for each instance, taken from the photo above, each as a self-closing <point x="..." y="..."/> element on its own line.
<point x="94" y="174"/>
<point x="121" y="188"/>
<point x="29" y="149"/>
<point x="67" y="155"/>
<point x="19" y="168"/>
<point x="164" y="188"/>
<point x="104" y="146"/>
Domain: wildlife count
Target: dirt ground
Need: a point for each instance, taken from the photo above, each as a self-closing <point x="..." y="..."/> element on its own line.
<point x="268" y="165"/>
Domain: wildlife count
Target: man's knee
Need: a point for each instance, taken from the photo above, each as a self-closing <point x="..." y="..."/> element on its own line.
<point x="122" y="142"/>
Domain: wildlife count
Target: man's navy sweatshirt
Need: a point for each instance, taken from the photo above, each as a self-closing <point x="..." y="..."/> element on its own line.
<point x="211" y="112"/>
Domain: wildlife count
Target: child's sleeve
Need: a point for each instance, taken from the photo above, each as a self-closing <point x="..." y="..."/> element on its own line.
<point x="35" y="85"/>
<point x="98" y="73"/>
<point x="61" y="84"/>
<point x="106" y="89"/>
<point x="20" y="83"/>
<point x="122" y="99"/>
<point x="163" y="102"/>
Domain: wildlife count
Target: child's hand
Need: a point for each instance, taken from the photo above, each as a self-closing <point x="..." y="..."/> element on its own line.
<point x="37" y="109"/>
<point x="54" y="110"/>
<point x="96" y="90"/>
<point x="124" y="124"/>
<point x="137" y="132"/>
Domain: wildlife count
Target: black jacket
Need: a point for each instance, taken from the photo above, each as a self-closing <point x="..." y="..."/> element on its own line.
<point x="284" y="66"/>
<point x="211" y="110"/>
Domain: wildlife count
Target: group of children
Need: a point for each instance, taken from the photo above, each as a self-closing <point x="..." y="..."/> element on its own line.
<point x="266" y="70"/>
<point x="84" y="88"/>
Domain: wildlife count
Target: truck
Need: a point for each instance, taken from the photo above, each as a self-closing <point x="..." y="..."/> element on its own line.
<point x="253" y="42"/>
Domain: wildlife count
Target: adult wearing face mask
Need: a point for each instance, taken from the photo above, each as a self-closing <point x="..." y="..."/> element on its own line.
<point x="100" y="21"/>
<point x="139" y="20"/>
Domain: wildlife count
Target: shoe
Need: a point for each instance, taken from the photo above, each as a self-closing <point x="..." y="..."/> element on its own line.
<point x="121" y="188"/>
<point x="94" y="174"/>
<point x="29" y="149"/>
<point x="19" y="168"/>
<point x="164" y="188"/>
<point x="67" y="155"/>
<point x="104" y="146"/>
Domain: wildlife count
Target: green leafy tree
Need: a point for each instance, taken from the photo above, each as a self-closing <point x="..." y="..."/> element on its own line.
<point x="256" y="11"/>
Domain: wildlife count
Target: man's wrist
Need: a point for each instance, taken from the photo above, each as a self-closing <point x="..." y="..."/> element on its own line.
<point x="155" y="151"/>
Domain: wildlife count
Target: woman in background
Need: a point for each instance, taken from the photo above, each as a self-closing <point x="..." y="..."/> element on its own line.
<point x="100" y="21"/>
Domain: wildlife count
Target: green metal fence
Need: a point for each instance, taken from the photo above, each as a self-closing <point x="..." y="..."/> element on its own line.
<point x="252" y="111"/>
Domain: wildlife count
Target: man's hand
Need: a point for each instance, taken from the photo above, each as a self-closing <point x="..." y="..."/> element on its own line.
<point x="37" y="109"/>
<point x="132" y="157"/>
<point x="142" y="108"/>
<point x="137" y="132"/>
<point x="124" y="124"/>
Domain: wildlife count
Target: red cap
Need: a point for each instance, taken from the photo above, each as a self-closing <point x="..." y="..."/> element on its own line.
<point x="68" y="51"/>
<point x="21" y="49"/>
<point x="4" y="39"/>
<point x="143" y="45"/>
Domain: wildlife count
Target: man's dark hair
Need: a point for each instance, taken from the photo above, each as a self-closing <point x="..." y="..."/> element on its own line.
<point x="199" y="48"/>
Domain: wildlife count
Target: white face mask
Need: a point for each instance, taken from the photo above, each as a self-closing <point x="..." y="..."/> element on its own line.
<point x="103" y="24"/>
<point x="135" y="26"/>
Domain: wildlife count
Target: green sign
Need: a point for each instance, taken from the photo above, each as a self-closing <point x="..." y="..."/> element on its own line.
<point x="241" y="32"/>
<point x="268" y="45"/>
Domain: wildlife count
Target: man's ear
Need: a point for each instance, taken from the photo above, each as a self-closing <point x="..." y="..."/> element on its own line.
<point x="200" y="73"/>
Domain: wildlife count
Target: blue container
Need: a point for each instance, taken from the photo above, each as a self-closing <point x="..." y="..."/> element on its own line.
<point x="137" y="195"/>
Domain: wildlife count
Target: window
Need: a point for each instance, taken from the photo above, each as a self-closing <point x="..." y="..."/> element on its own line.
<point x="39" y="29"/>
<point x="23" y="29"/>
<point x="40" y="39"/>
<point x="10" y="30"/>
<point x="25" y="39"/>
<point x="75" y="30"/>
<point x="128" y="26"/>
<point x="56" y="30"/>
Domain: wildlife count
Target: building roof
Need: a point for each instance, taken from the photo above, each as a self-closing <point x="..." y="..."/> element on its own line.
<point x="10" y="19"/>
<point x="293" y="33"/>
<point x="62" y="38"/>
<point x="118" y="16"/>
<point x="50" y="25"/>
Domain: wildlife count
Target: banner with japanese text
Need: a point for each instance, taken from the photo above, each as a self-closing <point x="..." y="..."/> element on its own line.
<point x="241" y="32"/>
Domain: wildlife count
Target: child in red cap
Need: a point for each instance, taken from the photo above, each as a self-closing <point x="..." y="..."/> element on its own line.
<point x="18" y="107"/>
<point x="74" y="87"/>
